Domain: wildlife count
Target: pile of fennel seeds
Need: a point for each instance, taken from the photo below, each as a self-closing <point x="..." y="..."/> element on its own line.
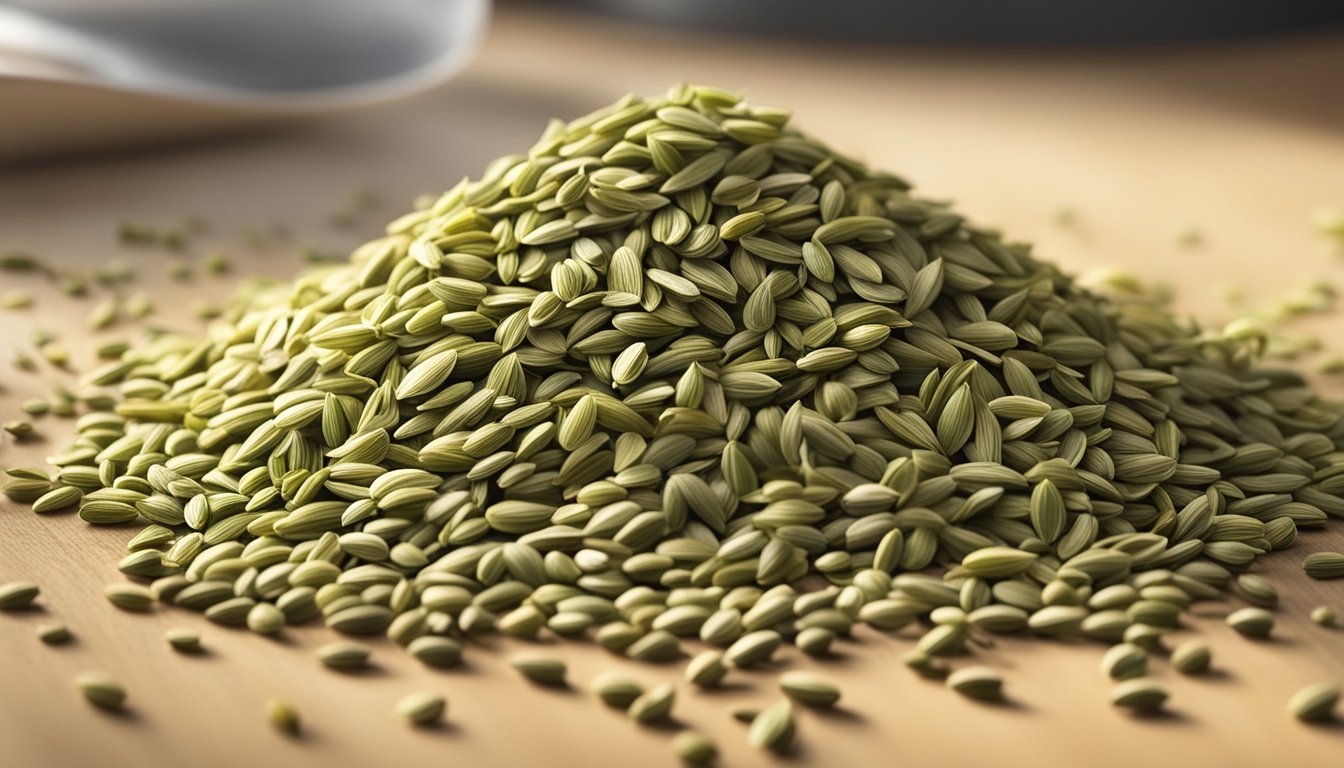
<point x="681" y="375"/>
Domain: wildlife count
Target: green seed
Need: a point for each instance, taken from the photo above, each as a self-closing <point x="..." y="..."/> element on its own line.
<point x="1139" y="694"/>
<point x="693" y="748"/>
<point x="1324" y="615"/>
<point x="265" y="619"/>
<point x="809" y="689"/>
<point x="436" y="651"/>
<point x="773" y="728"/>
<point x="980" y="683"/>
<point x="283" y="716"/>
<point x="542" y="671"/>
<point x="54" y="634"/>
<point x="422" y="708"/>
<point x="616" y="690"/>
<point x="129" y="597"/>
<point x="343" y="655"/>
<point x="17" y="595"/>
<point x="1191" y="657"/>
<point x="1324" y="565"/>
<point x="101" y="691"/>
<point x="706" y="670"/>
<point x="183" y="640"/>
<point x="1252" y="622"/>
<point x="653" y="705"/>
<point x="1315" y="703"/>
<point x="1125" y="661"/>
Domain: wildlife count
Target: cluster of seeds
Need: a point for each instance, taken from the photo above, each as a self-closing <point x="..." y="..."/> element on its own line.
<point x="679" y="372"/>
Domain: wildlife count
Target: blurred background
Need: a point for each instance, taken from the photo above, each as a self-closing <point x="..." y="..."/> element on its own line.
<point x="168" y="149"/>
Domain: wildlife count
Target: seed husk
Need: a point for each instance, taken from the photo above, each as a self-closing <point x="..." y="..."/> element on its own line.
<point x="1315" y="703"/>
<point x="101" y="690"/>
<point x="283" y="716"/>
<point x="17" y="595"/>
<point x="423" y="708"/>
<point x="1191" y="657"/>
<point x="1140" y="694"/>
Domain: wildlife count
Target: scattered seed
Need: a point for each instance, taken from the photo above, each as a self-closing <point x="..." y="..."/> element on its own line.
<point x="17" y="595"/>
<point x="809" y="689"/>
<point x="653" y="705"/>
<point x="1139" y="694"/>
<point x="1191" y="657"/>
<point x="183" y="640"/>
<point x="1252" y="622"/>
<point x="54" y="634"/>
<point x="693" y="748"/>
<point x="422" y="708"/>
<point x="1315" y="703"/>
<point x="101" y="691"/>
<point x="980" y="683"/>
<point x="283" y="716"/>
<point x="542" y="671"/>
<point x="773" y="728"/>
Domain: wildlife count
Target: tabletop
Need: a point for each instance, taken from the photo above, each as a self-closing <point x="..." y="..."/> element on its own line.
<point x="1231" y="141"/>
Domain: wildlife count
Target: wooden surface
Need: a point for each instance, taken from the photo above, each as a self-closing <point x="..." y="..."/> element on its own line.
<point x="1237" y="141"/>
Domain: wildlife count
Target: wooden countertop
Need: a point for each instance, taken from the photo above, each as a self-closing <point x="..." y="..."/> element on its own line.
<point x="1238" y="141"/>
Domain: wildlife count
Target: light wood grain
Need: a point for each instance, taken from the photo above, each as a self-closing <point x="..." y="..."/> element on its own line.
<point x="1232" y="140"/>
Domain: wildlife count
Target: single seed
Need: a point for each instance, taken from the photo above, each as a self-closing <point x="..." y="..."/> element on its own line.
<point x="693" y="748"/>
<point x="1139" y="694"/>
<point x="1191" y="657"/>
<point x="540" y="670"/>
<point x="980" y="683"/>
<point x="1252" y="622"/>
<point x="1315" y="703"/>
<point x="422" y="708"/>
<point x="283" y="716"/>
<point x="1124" y="661"/>
<point x="809" y="689"/>
<point x="653" y="705"/>
<point x="616" y="690"/>
<point x="183" y="640"/>
<point x="17" y="595"/>
<point x="1324" y="565"/>
<point x="773" y="728"/>
<point x="101" y="690"/>
<point x="54" y="634"/>
<point x="1324" y="615"/>
<point x="129" y="597"/>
